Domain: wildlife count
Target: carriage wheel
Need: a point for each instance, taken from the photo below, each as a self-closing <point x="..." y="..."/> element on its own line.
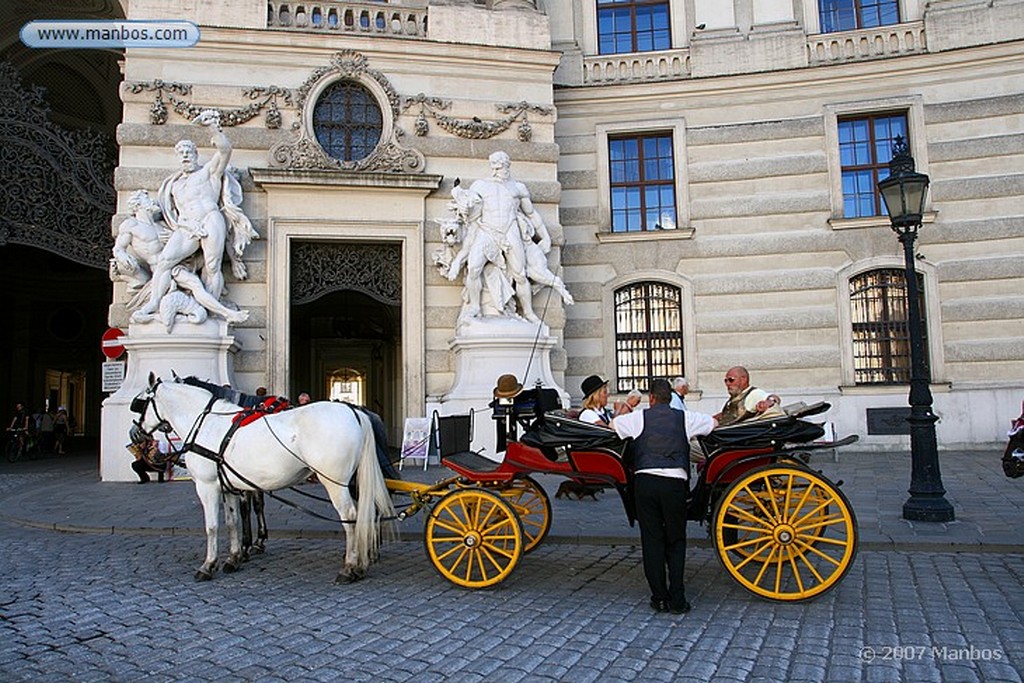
<point x="474" y="538"/>
<point x="532" y="505"/>
<point x="785" y="533"/>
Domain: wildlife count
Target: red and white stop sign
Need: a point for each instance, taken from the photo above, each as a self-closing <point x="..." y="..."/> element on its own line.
<point x="111" y="344"/>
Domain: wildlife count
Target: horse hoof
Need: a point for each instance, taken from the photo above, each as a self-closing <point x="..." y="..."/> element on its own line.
<point x="231" y="567"/>
<point x="258" y="549"/>
<point x="204" y="575"/>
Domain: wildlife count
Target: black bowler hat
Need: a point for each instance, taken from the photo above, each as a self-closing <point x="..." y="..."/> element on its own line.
<point x="592" y="384"/>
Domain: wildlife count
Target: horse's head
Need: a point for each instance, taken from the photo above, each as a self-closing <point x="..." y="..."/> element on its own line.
<point x="149" y="420"/>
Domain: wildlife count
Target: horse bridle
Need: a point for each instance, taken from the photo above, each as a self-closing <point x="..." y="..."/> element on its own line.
<point x="139" y="405"/>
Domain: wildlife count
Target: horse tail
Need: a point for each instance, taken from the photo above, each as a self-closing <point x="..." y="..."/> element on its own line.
<point x="374" y="498"/>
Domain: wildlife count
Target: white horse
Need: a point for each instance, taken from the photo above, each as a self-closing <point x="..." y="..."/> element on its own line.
<point x="279" y="450"/>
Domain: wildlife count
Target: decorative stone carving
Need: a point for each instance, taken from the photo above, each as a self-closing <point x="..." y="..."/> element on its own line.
<point x="322" y="267"/>
<point x="202" y="220"/>
<point x="474" y="128"/>
<point x="57" y="191"/>
<point x="267" y="96"/>
<point x="501" y="239"/>
<point x="305" y="153"/>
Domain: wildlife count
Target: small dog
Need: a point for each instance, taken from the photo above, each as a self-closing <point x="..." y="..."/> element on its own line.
<point x="570" y="488"/>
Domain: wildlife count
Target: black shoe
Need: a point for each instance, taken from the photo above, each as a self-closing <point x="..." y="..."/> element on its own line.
<point x="681" y="609"/>
<point x="659" y="605"/>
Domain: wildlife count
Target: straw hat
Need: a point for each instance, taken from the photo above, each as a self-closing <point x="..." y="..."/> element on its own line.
<point x="592" y="384"/>
<point x="508" y="387"/>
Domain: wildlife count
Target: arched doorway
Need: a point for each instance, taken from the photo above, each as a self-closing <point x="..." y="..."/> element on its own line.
<point x="345" y="325"/>
<point x="57" y="154"/>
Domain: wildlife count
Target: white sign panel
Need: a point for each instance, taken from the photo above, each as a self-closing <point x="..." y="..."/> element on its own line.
<point x="113" y="375"/>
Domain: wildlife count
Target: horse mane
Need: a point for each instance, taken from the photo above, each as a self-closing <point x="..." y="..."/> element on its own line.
<point x="224" y="393"/>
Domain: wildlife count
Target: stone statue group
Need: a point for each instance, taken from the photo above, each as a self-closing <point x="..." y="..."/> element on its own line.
<point x="501" y="239"/>
<point x="171" y="250"/>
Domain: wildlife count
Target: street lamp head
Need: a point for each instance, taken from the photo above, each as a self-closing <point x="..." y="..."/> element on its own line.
<point x="904" y="190"/>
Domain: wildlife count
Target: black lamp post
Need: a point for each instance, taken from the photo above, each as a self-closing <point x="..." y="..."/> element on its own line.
<point x="904" y="192"/>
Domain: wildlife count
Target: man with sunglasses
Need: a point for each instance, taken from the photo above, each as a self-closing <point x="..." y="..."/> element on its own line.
<point x="744" y="401"/>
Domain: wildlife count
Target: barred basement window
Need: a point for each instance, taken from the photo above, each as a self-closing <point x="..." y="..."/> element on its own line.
<point x="648" y="334"/>
<point x="881" y="341"/>
<point x="347" y="121"/>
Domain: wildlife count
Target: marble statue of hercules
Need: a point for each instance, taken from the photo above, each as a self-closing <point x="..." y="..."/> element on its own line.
<point x="502" y="200"/>
<point x="190" y="202"/>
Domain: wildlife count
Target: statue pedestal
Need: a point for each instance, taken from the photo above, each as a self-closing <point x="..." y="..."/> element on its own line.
<point x="205" y="350"/>
<point x="484" y="350"/>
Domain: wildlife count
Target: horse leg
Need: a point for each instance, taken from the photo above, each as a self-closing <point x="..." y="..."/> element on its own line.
<point x="246" y="508"/>
<point x="352" y="570"/>
<point x="232" y="503"/>
<point x="209" y="496"/>
<point x="261" y="523"/>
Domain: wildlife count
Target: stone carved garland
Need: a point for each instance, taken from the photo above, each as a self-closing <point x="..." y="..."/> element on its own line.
<point x="305" y="153"/>
<point x="228" y="117"/>
<point x="474" y="128"/>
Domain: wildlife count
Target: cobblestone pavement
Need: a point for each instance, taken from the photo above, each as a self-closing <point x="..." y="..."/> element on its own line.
<point x="95" y="607"/>
<point x="119" y="604"/>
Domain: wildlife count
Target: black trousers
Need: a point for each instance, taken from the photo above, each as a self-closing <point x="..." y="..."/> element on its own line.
<point x="141" y="468"/>
<point x="661" y="511"/>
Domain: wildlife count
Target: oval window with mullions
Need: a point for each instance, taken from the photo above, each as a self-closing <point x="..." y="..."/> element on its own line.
<point x="347" y="121"/>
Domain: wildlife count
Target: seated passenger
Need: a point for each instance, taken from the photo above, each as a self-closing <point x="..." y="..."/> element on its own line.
<point x="595" y="402"/>
<point x="745" y="402"/>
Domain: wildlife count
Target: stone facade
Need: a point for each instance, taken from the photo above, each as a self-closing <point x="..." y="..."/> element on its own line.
<point x="761" y="252"/>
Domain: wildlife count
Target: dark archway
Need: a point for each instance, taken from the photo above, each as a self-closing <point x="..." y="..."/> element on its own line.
<point x="59" y="112"/>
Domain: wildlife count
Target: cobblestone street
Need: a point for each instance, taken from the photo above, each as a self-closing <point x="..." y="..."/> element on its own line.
<point x="124" y="608"/>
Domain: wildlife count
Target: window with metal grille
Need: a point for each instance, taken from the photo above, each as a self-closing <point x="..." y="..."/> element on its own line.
<point x="642" y="181"/>
<point x="347" y="121"/>
<point x="648" y="334"/>
<point x="632" y="26"/>
<point x="865" y="148"/>
<point x="848" y="15"/>
<point x="881" y="339"/>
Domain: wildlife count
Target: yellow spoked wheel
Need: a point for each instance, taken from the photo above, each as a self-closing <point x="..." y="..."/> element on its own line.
<point x="473" y="538"/>
<point x="785" y="533"/>
<point x="735" y="535"/>
<point x="532" y="506"/>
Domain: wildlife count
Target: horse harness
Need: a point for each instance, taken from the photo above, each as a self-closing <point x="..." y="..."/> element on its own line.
<point x="242" y="419"/>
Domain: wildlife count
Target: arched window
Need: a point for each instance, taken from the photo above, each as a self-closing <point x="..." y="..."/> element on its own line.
<point x="347" y="121"/>
<point x="648" y="334"/>
<point x="878" y="316"/>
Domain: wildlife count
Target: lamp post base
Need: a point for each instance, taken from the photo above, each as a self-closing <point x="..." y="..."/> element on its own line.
<point x="928" y="509"/>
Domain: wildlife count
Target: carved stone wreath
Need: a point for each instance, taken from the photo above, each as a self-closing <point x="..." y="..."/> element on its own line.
<point x="319" y="268"/>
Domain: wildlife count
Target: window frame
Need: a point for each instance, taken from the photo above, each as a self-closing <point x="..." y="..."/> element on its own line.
<point x="687" y="321"/>
<point x="643" y="185"/>
<point x="676" y="127"/>
<point x="858" y="15"/>
<point x="879" y="170"/>
<point x="914" y="108"/>
<point x="632" y="6"/>
<point x="349" y="145"/>
<point x="931" y="318"/>
<point x="885" y="335"/>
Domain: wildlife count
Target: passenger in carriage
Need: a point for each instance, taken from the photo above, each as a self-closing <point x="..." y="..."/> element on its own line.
<point x="745" y="402"/>
<point x="595" y="402"/>
<point x="630" y="404"/>
<point x="662" y="467"/>
<point x="680" y="388"/>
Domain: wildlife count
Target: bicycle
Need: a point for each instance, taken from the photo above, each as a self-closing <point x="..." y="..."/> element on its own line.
<point x="17" y="444"/>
